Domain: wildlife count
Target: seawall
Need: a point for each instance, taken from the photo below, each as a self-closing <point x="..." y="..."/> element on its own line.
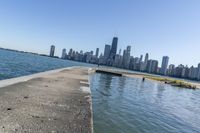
<point x="54" y="101"/>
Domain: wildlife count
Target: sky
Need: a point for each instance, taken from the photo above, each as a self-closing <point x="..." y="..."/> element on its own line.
<point x="159" y="27"/>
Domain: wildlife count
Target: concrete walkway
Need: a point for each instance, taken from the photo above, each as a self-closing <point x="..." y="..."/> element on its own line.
<point x="51" y="102"/>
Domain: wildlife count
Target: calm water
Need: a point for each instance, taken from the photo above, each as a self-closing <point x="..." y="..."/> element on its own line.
<point x="128" y="105"/>
<point x="15" y="64"/>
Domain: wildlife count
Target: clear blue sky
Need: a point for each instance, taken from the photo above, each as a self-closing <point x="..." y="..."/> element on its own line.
<point x="159" y="27"/>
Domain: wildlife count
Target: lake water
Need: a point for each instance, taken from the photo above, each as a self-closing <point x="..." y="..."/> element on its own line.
<point x="15" y="64"/>
<point x="121" y="104"/>
<point x="128" y="105"/>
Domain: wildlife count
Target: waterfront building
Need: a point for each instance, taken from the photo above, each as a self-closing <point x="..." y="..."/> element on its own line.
<point x="171" y="70"/>
<point x="142" y="66"/>
<point x="164" y="65"/>
<point x="136" y="64"/>
<point x="178" y="71"/>
<point x="97" y="53"/>
<point x="198" y="73"/>
<point x="185" y="72"/>
<point x="63" y="54"/>
<point x="113" y="50"/>
<point x="152" y="66"/>
<point x="107" y="51"/>
<point x="131" y="64"/>
<point x="117" y="61"/>
<point x="88" y="57"/>
<point x="70" y="54"/>
<point x="192" y="72"/>
<point x="141" y="57"/>
<point x="52" y="51"/>
<point x="146" y="58"/>
<point x="92" y="52"/>
<point x="126" y="57"/>
<point x="145" y="62"/>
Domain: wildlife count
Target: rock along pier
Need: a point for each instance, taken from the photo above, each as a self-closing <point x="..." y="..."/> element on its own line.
<point x="57" y="101"/>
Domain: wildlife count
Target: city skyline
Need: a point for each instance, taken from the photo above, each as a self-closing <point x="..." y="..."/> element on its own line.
<point x="110" y="57"/>
<point x="164" y="28"/>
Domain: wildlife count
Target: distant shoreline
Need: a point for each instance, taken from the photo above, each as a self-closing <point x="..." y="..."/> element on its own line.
<point x="156" y="78"/>
<point x="167" y="80"/>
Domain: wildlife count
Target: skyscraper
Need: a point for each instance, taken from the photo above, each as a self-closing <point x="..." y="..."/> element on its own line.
<point x="97" y="52"/>
<point x="152" y="66"/>
<point x="146" y="58"/>
<point x="144" y="65"/>
<point x="63" y="54"/>
<point x="52" y="50"/>
<point x="198" y="75"/>
<point x="141" y="57"/>
<point x="164" y="65"/>
<point x="113" y="50"/>
<point x="107" y="51"/>
<point x="126" y="57"/>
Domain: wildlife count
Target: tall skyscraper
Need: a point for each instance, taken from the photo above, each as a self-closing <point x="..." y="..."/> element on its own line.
<point x="146" y="58"/>
<point x="97" y="52"/>
<point x="126" y="57"/>
<point x="63" y="54"/>
<point x="141" y="57"/>
<point x="107" y="51"/>
<point x="52" y="50"/>
<point x="144" y="67"/>
<point x="198" y="75"/>
<point x="165" y="61"/>
<point x="113" y="50"/>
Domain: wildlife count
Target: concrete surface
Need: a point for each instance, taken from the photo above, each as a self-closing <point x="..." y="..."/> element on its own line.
<point x="52" y="102"/>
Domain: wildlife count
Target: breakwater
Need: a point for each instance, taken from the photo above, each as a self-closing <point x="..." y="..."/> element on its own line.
<point x="53" y="101"/>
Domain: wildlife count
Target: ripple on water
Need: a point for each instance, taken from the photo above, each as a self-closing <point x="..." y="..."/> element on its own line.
<point x="129" y="105"/>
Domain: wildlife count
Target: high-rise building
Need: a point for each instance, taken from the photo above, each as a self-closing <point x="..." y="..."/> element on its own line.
<point x="141" y="57"/>
<point x="198" y="75"/>
<point x="193" y="72"/>
<point x="92" y="52"/>
<point x="179" y="70"/>
<point x="113" y="50"/>
<point x="152" y="66"/>
<point x="70" y="53"/>
<point x="63" y="54"/>
<point x="126" y="57"/>
<point x="97" y="52"/>
<point x="146" y="58"/>
<point x="171" y="70"/>
<point x="144" y="67"/>
<point x="52" y="50"/>
<point x="165" y="61"/>
<point x="107" y="51"/>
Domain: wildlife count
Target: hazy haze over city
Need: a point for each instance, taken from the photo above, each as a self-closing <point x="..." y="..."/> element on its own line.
<point x="167" y="27"/>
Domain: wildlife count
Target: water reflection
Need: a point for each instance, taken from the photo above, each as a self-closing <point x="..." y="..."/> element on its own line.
<point x="160" y="90"/>
<point x="122" y="104"/>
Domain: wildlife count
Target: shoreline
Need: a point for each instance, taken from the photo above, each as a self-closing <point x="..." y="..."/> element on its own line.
<point x="155" y="78"/>
<point x="167" y="80"/>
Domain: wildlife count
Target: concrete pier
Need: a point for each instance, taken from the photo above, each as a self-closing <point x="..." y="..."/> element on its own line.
<point x="57" y="101"/>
